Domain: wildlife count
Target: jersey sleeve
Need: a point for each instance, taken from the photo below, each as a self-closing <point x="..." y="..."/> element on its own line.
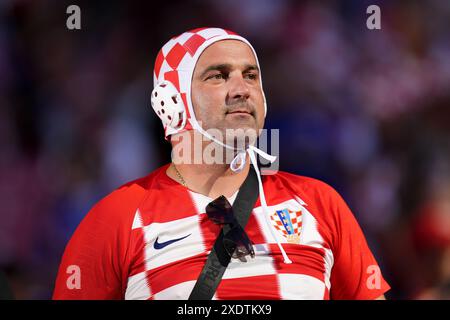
<point x="95" y="262"/>
<point x="355" y="274"/>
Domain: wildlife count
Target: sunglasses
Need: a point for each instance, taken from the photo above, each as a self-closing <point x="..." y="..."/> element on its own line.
<point x="236" y="242"/>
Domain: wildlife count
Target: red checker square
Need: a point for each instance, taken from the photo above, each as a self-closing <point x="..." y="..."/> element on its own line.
<point x="231" y="32"/>
<point x="158" y="63"/>
<point x="175" y="55"/>
<point x="193" y="43"/>
<point x="172" y="76"/>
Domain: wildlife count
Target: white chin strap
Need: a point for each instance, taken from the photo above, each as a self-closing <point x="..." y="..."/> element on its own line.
<point x="238" y="164"/>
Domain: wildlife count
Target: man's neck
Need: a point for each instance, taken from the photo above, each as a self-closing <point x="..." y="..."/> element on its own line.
<point x="212" y="180"/>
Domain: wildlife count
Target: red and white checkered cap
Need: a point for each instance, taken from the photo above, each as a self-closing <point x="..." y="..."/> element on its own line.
<point x="176" y="61"/>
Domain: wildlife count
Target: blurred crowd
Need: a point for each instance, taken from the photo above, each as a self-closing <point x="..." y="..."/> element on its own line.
<point x="366" y="111"/>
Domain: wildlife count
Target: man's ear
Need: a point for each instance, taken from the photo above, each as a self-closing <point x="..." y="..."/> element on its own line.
<point x="168" y="105"/>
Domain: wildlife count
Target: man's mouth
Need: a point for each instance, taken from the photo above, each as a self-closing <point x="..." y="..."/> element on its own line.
<point x="240" y="112"/>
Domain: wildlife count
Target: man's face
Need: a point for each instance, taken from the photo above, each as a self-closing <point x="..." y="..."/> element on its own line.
<point x="226" y="90"/>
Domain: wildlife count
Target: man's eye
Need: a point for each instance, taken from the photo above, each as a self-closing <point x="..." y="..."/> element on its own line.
<point x="217" y="76"/>
<point x="251" y="76"/>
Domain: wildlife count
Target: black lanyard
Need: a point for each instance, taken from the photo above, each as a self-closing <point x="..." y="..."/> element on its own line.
<point x="218" y="259"/>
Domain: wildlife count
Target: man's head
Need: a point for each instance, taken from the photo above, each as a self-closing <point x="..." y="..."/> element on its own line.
<point x="208" y="78"/>
<point x="226" y="89"/>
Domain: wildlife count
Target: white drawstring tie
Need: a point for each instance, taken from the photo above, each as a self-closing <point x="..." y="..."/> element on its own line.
<point x="251" y="152"/>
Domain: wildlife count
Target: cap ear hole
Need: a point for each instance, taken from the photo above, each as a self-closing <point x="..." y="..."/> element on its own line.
<point x="180" y="122"/>
<point x="162" y="85"/>
<point x="162" y="103"/>
<point x="162" y="110"/>
<point x="169" y="117"/>
<point x="159" y="113"/>
<point x="156" y="94"/>
<point x="174" y="99"/>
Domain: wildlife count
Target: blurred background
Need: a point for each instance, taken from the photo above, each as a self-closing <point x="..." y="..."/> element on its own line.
<point x="367" y="111"/>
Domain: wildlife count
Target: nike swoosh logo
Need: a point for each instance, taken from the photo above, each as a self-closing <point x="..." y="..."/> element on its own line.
<point x="159" y="245"/>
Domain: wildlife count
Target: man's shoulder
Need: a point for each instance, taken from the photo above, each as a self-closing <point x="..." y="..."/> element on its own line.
<point x="139" y="185"/>
<point x="307" y="188"/>
<point x="302" y="182"/>
<point x="127" y="197"/>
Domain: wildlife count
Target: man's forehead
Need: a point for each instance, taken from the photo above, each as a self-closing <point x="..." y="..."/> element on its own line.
<point x="227" y="52"/>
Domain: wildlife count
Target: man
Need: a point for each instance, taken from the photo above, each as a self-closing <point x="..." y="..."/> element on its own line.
<point x="150" y="238"/>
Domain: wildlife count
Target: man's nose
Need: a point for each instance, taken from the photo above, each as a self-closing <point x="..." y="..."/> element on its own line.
<point x="238" y="88"/>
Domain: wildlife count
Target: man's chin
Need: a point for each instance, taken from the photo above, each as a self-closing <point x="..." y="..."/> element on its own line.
<point x="241" y="136"/>
<point x="238" y="122"/>
<point x="236" y="132"/>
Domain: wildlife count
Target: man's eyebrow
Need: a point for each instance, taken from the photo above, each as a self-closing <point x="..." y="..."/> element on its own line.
<point x="220" y="67"/>
<point x="251" y="67"/>
<point x="227" y="66"/>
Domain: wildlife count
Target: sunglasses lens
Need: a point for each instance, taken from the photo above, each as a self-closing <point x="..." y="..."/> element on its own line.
<point x="237" y="243"/>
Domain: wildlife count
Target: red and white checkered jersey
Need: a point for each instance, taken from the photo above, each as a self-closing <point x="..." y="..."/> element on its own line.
<point x="150" y="239"/>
